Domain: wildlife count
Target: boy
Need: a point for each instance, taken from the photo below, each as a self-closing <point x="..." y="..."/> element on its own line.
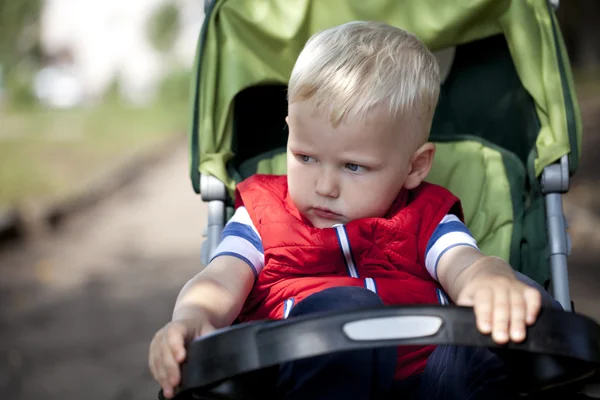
<point x="353" y="225"/>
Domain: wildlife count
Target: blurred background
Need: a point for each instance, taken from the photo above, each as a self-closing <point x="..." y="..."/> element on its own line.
<point x="99" y="225"/>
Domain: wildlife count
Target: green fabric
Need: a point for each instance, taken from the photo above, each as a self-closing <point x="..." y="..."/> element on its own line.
<point x="573" y="114"/>
<point x="541" y="61"/>
<point x="248" y="43"/>
<point x="505" y="115"/>
<point x="534" y="241"/>
<point x="477" y="174"/>
<point x="273" y="165"/>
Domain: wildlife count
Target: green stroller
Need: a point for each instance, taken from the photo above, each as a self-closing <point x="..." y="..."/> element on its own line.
<point x="508" y="135"/>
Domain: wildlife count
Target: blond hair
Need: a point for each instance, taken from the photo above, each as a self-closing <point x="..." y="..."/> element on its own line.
<point x="352" y="68"/>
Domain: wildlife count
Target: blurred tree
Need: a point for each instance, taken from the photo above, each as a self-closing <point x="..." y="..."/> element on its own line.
<point x="19" y="31"/>
<point x="163" y="27"/>
<point x="175" y="87"/>
<point x="20" y="50"/>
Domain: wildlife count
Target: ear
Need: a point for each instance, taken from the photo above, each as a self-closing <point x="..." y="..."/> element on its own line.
<point x="420" y="165"/>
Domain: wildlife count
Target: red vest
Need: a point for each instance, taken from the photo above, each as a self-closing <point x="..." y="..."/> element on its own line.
<point x="386" y="255"/>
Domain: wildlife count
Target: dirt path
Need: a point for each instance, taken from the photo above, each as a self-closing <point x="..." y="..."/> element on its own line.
<point x="78" y="310"/>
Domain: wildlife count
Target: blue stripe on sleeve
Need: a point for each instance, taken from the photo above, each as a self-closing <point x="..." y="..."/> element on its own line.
<point x="444" y="228"/>
<point x="243" y="231"/>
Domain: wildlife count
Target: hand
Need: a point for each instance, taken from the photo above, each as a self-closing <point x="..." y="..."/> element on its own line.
<point x="167" y="351"/>
<point x="502" y="304"/>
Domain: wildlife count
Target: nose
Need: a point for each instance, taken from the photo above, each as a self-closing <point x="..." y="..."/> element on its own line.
<point x="327" y="184"/>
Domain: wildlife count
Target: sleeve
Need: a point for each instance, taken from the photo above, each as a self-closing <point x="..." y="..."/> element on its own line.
<point x="240" y="239"/>
<point x="449" y="233"/>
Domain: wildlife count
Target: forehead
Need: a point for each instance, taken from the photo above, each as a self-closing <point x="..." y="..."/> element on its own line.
<point x="377" y="127"/>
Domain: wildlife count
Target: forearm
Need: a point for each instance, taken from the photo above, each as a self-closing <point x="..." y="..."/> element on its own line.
<point x="217" y="293"/>
<point x="205" y="296"/>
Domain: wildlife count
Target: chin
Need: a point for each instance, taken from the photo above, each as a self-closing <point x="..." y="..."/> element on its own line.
<point x="325" y="223"/>
<point x="322" y="225"/>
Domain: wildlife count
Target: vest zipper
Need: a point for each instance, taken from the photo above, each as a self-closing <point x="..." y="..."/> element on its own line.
<point x="287" y="307"/>
<point x="344" y="243"/>
<point x="442" y="297"/>
<point x="370" y="284"/>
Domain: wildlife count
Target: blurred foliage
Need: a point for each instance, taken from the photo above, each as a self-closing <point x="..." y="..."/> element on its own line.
<point x="43" y="152"/>
<point x="19" y="31"/>
<point x="20" y="50"/>
<point x="175" y="87"/>
<point x="163" y="27"/>
<point x="19" y="87"/>
<point x="112" y="95"/>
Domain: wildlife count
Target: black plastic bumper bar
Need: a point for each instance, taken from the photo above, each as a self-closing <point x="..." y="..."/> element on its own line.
<point x="560" y="346"/>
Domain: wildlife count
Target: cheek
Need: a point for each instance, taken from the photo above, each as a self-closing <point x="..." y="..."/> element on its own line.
<point x="378" y="185"/>
<point x="301" y="174"/>
<point x="294" y="173"/>
<point x="376" y="194"/>
<point x="297" y="182"/>
<point x="374" y="200"/>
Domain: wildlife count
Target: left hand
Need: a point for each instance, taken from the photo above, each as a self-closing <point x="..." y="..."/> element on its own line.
<point x="502" y="305"/>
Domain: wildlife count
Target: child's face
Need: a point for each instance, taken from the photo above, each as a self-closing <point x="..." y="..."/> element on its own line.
<point x="355" y="170"/>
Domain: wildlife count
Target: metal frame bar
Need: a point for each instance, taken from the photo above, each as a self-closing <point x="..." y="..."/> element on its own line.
<point x="213" y="192"/>
<point x="555" y="182"/>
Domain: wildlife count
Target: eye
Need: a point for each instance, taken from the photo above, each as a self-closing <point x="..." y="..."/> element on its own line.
<point x="355" y="167"/>
<point x="304" y="158"/>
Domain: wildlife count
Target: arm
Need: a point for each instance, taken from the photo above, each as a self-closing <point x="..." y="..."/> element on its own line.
<point x="501" y="302"/>
<point x="217" y="293"/>
<point x="212" y="299"/>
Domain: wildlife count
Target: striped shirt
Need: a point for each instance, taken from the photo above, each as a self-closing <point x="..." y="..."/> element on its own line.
<point x="240" y="239"/>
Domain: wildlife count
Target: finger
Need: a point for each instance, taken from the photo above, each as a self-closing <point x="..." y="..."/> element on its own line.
<point x="151" y="357"/>
<point x="160" y="372"/>
<point x="517" y="315"/>
<point x="176" y="340"/>
<point x="169" y="365"/>
<point x="168" y="392"/>
<point x="501" y="316"/>
<point x="482" y="304"/>
<point x="155" y="359"/>
<point x="533" y="302"/>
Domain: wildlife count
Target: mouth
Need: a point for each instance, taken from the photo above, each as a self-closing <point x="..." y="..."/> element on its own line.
<point x="325" y="213"/>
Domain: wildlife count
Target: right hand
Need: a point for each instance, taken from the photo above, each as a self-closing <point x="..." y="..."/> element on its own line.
<point x="167" y="351"/>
